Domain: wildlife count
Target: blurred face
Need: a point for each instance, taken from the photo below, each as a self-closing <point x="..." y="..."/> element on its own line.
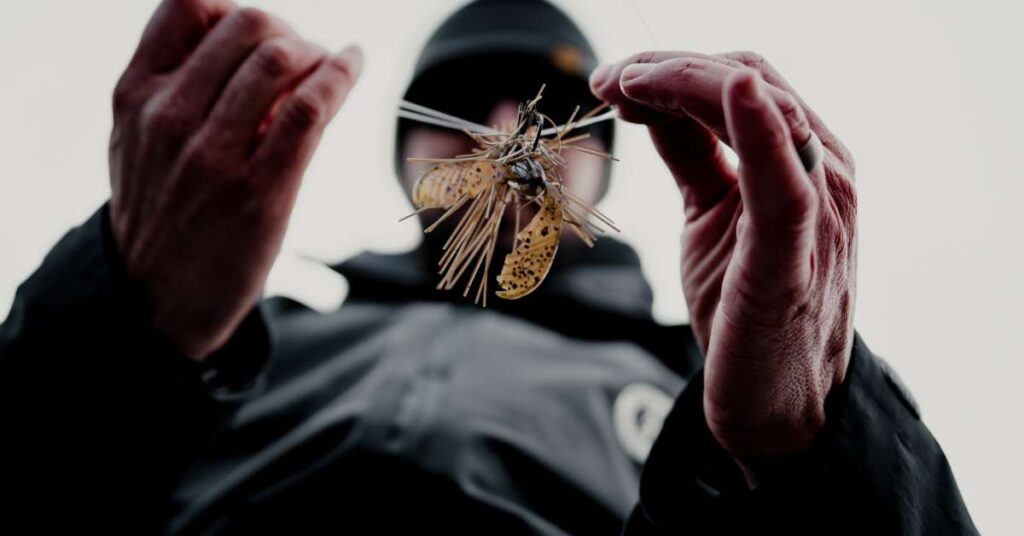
<point x="582" y="174"/>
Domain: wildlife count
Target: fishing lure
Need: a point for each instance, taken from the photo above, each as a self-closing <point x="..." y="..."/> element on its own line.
<point x="518" y="167"/>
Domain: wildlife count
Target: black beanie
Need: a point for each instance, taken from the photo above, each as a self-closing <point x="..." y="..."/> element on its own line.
<point x="494" y="49"/>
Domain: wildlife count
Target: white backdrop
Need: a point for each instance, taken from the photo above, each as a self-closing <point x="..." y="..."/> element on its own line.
<point x="927" y="94"/>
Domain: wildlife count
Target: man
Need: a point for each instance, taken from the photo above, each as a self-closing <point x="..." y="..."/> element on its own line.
<point x="146" y="389"/>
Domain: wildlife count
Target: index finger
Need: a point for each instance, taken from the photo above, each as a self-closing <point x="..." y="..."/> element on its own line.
<point x="674" y="83"/>
<point x="604" y="84"/>
<point x="604" y="81"/>
<point x="175" y="29"/>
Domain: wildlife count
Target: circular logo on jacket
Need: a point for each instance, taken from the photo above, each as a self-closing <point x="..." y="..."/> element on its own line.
<point x="638" y="413"/>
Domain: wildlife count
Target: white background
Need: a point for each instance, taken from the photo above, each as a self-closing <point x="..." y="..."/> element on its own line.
<point x="927" y="94"/>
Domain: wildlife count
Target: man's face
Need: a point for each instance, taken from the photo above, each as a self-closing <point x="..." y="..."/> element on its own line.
<point x="582" y="175"/>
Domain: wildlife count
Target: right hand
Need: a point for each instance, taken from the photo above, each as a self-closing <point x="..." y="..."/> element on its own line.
<point x="215" y="120"/>
<point x="769" y="248"/>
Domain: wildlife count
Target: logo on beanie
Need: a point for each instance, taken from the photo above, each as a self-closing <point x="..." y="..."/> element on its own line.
<point x="568" y="59"/>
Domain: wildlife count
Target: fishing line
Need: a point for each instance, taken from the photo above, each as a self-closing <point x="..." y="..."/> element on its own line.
<point x="643" y="22"/>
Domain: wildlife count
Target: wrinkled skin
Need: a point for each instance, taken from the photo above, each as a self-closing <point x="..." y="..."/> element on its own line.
<point x="215" y="120"/>
<point x="769" y="250"/>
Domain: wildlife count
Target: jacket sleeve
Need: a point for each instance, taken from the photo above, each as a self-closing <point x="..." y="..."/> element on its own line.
<point x="875" y="469"/>
<point x="100" y="415"/>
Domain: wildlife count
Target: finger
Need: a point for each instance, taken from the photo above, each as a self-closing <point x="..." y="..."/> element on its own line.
<point x="694" y="86"/>
<point x="739" y="60"/>
<point x="776" y="191"/>
<point x="771" y="75"/>
<point x="603" y="78"/>
<point x="296" y="128"/>
<point x="220" y="54"/>
<point x="605" y="84"/>
<point x="273" y="68"/>
<point x="604" y="81"/>
<point x="692" y="153"/>
<point x="602" y="86"/>
<point x="173" y="31"/>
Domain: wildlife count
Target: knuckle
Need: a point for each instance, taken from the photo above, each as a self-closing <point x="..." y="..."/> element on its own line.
<point x="749" y="58"/>
<point x="726" y="58"/>
<point x="647" y="56"/>
<point x="682" y="70"/>
<point x="787" y="105"/>
<point x="804" y="205"/>
<point x="197" y="159"/>
<point x="124" y="97"/>
<point x="164" y="118"/>
<point x="795" y="213"/>
<point x="201" y="160"/>
<point x="252" y="19"/>
<point x="304" y="111"/>
<point x="798" y="123"/>
<point x="792" y="112"/>
<point x="679" y="73"/>
<point x="275" y="58"/>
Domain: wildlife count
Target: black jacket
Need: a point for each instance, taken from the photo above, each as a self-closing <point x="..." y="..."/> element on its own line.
<point x="405" y="411"/>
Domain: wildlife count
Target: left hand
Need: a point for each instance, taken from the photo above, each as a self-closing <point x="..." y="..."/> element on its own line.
<point x="769" y="249"/>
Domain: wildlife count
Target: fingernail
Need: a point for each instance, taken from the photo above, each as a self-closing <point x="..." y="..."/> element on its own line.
<point x="600" y="75"/>
<point x="353" y="56"/>
<point x="635" y="71"/>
